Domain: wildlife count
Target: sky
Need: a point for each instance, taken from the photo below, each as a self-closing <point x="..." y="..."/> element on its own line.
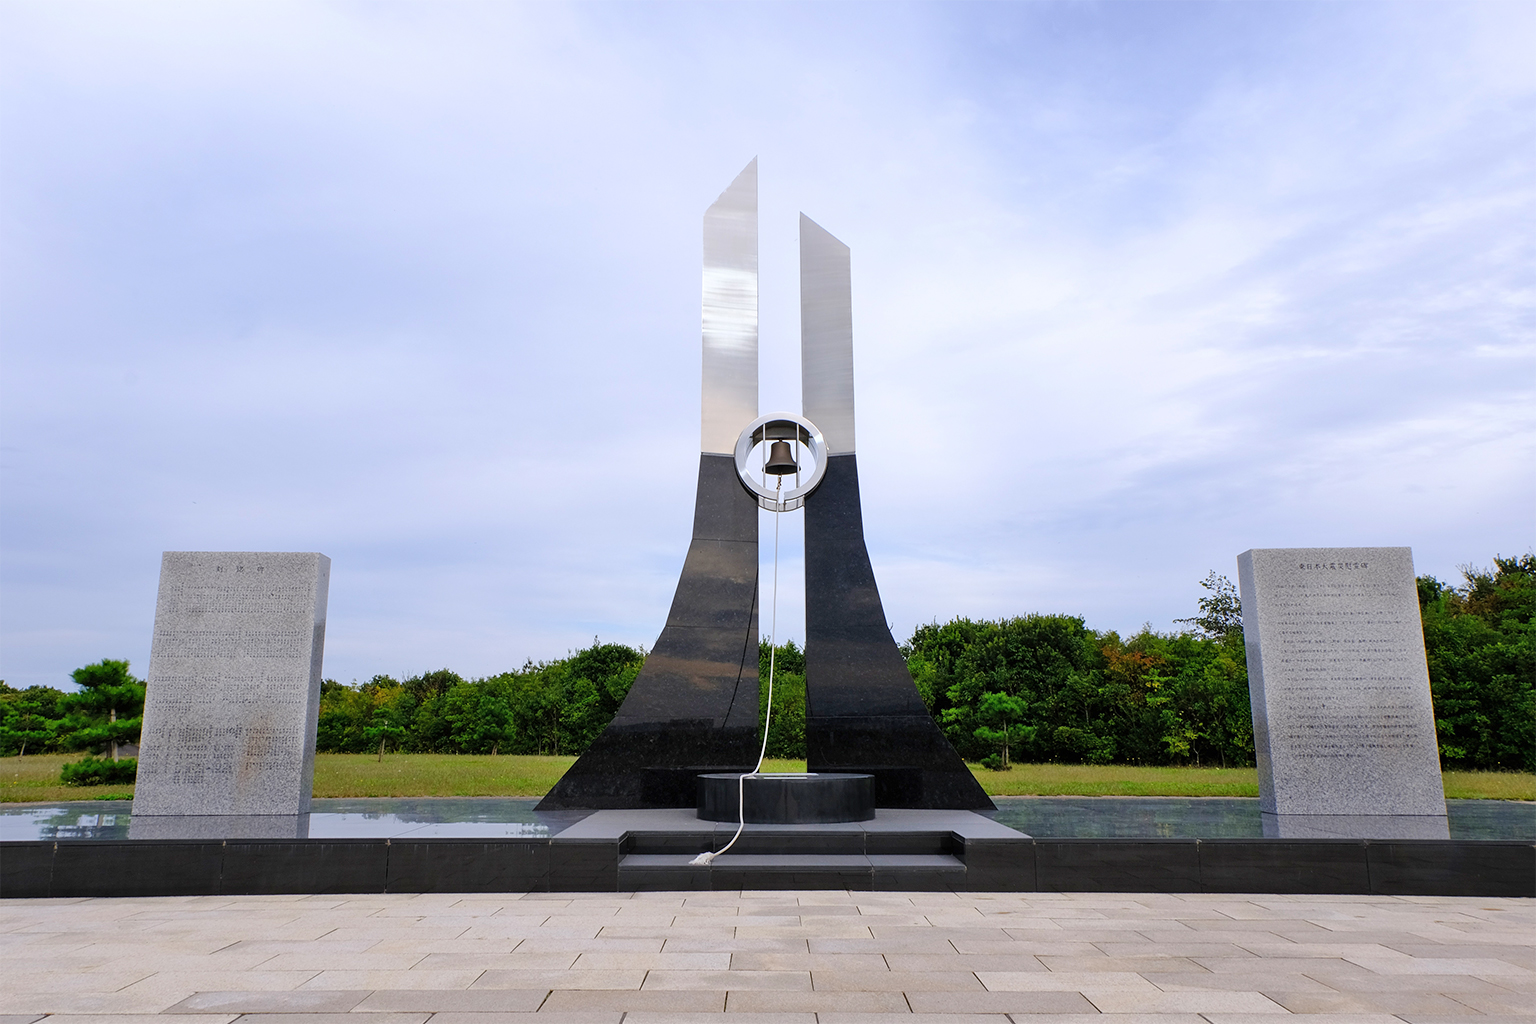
<point x="1136" y="287"/>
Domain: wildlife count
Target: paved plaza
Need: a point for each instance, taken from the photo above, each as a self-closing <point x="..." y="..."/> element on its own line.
<point x="770" y="957"/>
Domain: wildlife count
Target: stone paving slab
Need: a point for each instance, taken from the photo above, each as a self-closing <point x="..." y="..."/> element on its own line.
<point x="823" y="957"/>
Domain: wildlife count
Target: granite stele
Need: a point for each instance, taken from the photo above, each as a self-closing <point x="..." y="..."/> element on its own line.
<point x="233" y="696"/>
<point x="693" y="709"/>
<point x="1344" y="730"/>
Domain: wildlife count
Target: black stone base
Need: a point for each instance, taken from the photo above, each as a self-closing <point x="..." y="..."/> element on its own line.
<point x="650" y="766"/>
<point x="787" y="799"/>
<point x="930" y="776"/>
<point x="921" y="860"/>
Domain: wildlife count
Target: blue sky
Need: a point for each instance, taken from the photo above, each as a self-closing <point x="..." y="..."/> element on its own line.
<point x="1136" y="287"/>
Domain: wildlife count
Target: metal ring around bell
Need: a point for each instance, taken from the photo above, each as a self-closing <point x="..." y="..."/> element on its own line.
<point x="785" y="426"/>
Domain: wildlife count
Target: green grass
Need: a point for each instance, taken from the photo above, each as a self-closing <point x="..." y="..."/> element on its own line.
<point x="35" y="778"/>
<point x="1489" y="785"/>
<point x="1116" y="780"/>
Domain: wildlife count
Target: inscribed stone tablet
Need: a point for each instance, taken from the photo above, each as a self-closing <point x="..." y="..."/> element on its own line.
<point x="1342" y="718"/>
<point x="234" y="684"/>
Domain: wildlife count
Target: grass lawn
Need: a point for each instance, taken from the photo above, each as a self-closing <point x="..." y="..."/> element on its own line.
<point x="36" y="778"/>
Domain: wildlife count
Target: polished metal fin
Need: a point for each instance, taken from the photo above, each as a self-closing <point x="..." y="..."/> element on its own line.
<point x="826" y="336"/>
<point x="730" y="314"/>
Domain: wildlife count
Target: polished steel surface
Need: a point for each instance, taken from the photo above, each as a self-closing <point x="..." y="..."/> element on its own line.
<point x="826" y="335"/>
<point x="730" y="313"/>
<point x="781" y="426"/>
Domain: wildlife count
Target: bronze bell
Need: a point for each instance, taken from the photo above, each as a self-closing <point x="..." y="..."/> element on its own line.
<point x="781" y="460"/>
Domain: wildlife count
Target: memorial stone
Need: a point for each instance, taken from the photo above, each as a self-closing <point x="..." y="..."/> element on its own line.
<point x="1344" y="727"/>
<point x="233" y="695"/>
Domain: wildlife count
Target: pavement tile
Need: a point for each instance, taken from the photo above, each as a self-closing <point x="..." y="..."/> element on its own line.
<point x="803" y="961"/>
<point x="1481" y="966"/>
<point x="602" y="961"/>
<point x="1381" y="1002"/>
<point x="999" y="1002"/>
<point x="672" y="1001"/>
<point x="480" y="1000"/>
<point x="220" y="980"/>
<point x="1235" y="983"/>
<point x="664" y="1017"/>
<point x="962" y="962"/>
<point x="268" y="1002"/>
<point x="500" y="960"/>
<point x="1496" y="1003"/>
<point x="342" y="961"/>
<point x="729" y="981"/>
<point x="912" y="1018"/>
<point x="1047" y="957"/>
<point x="571" y="944"/>
<point x="1032" y="945"/>
<point x="123" y="1018"/>
<point x="392" y="979"/>
<point x="1185" y="949"/>
<point x="895" y="981"/>
<point x="331" y="1018"/>
<point x="783" y="1001"/>
<point x="1183" y="1002"/>
<point x="695" y="944"/>
<point x="471" y="1017"/>
<point x="1116" y="1018"/>
<point x="1085" y="964"/>
<point x="560" y="979"/>
<point x="866" y="944"/>
<point x="1451" y="984"/>
<point x="1304" y="1018"/>
<point x="65" y="981"/>
<point x="1064" y="981"/>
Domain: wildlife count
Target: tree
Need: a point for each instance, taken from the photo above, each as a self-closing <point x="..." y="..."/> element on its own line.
<point x="1221" y="610"/>
<point x="1002" y="725"/>
<point x="1480" y="642"/>
<point x="30" y="719"/>
<point x="107" y="711"/>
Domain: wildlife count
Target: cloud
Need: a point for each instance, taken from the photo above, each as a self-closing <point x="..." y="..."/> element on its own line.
<point x="1136" y="288"/>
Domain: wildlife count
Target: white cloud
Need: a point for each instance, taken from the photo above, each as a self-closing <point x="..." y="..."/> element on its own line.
<point x="416" y="285"/>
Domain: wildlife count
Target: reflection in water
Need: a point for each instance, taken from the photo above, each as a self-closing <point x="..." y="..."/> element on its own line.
<point x="387" y="818"/>
<point x="513" y="817"/>
<point x="1137" y="817"/>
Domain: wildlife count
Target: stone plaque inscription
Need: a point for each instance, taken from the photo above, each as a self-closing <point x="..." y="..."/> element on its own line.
<point x="1342" y="717"/>
<point x="234" y="684"/>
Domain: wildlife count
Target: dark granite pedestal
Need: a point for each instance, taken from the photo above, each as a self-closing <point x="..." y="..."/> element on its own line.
<point x="787" y="799"/>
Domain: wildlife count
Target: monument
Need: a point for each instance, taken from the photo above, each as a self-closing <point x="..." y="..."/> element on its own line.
<point x="693" y="709"/>
<point x="1344" y="728"/>
<point x="233" y="696"/>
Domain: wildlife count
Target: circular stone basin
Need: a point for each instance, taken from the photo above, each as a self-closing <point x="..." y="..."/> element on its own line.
<point x="788" y="799"/>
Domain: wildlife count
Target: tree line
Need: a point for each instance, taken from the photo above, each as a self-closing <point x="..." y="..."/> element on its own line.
<point x="1039" y="688"/>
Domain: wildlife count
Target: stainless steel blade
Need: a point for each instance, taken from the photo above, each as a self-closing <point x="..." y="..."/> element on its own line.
<point x="730" y="314"/>
<point x="826" y="336"/>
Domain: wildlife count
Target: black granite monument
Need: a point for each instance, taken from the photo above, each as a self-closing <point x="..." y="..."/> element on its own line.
<point x="693" y="710"/>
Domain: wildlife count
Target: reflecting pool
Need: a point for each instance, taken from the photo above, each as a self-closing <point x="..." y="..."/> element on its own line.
<point x="1134" y="817"/>
<point x="1096" y="817"/>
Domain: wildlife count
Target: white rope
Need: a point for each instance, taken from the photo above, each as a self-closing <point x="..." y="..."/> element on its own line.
<point x="773" y="644"/>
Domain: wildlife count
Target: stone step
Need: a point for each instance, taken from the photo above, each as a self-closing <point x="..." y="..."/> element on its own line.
<point x="753" y="841"/>
<point x="873" y="871"/>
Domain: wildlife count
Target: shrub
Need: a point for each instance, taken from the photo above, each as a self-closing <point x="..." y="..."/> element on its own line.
<point x="97" y="771"/>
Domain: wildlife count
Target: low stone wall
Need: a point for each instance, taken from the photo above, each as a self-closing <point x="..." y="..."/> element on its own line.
<point x="79" y="868"/>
